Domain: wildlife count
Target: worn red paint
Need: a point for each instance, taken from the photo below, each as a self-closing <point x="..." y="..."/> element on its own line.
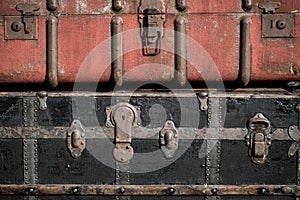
<point x="214" y="25"/>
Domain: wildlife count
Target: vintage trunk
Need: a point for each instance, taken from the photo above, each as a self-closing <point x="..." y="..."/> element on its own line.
<point x="150" y="145"/>
<point x="65" y="41"/>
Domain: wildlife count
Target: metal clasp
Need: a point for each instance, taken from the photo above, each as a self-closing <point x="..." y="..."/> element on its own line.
<point x="276" y="25"/>
<point x="123" y="116"/>
<point x="259" y="138"/>
<point x="168" y="139"/>
<point x="152" y="19"/>
<point x="23" y="27"/>
<point x="75" y="139"/>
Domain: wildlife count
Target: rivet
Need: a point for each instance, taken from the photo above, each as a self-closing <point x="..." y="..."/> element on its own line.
<point x="171" y="190"/>
<point x="122" y="190"/>
<point x="75" y="190"/>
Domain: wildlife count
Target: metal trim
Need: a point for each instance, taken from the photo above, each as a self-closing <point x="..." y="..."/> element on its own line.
<point x="117" y="50"/>
<point x="245" y="52"/>
<point x="52" y="51"/>
<point x="151" y="190"/>
<point x="180" y="49"/>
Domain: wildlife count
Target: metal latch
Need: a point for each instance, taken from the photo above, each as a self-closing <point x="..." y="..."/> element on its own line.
<point x="294" y="133"/>
<point x="152" y="19"/>
<point x="22" y="27"/>
<point x="123" y="116"/>
<point x="75" y="139"/>
<point x="259" y="138"/>
<point x="168" y="139"/>
<point x="276" y="25"/>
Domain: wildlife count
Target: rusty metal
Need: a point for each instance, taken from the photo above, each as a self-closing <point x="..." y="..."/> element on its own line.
<point x="151" y="190"/>
<point x="23" y="27"/>
<point x="294" y="133"/>
<point x="152" y="19"/>
<point x="247" y="5"/>
<point x="245" y="52"/>
<point x="278" y="25"/>
<point x="181" y="5"/>
<point x="203" y="99"/>
<point x="269" y="7"/>
<point x="168" y="139"/>
<point x="137" y="120"/>
<point x="117" y="5"/>
<point x="117" y="49"/>
<point x="76" y="139"/>
<point x="42" y="99"/>
<point x="53" y="5"/>
<point x="213" y="142"/>
<point x="52" y="51"/>
<point x="180" y="49"/>
<point x="259" y="138"/>
<point x="137" y="132"/>
<point x="123" y="116"/>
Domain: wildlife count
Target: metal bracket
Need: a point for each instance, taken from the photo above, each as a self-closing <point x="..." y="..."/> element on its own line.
<point x="203" y="99"/>
<point x="42" y="99"/>
<point x="294" y="133"/>
<point x="168" y="138"/>
<point x="152" y="19"/>
<point x="276" y="25"/>
<point x="75" y="139"/>
<point x="123" y="116"/>
<point x="259" y="138"/>
<point x="23" y="27"/>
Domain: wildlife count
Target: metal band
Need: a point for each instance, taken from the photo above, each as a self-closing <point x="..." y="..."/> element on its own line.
<point x="213" y="145"/>
<point x="180" y="49"/>
<point x="117" y="49"/>
<point x="245" y="52"/>
<point x="30" y="151"/>
<point x="122" y="178"/>
<point x="52" y="51"/>
<point x="153" y="190"/>
<point x="137" y="132"/>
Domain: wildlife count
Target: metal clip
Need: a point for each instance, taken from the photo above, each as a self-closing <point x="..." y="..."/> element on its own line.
<point x="269" y="7"/>
<point x="276" y="25"/>
<point x="294" y="133"/>
<point x="168" y="139"/>
<point x="23" y="27"/>
<point x="123" y="116"/>
<point x="259" y="138"/>
<point x="203" y="98"/>
<point x="42" y="99"/>
<point x="75" y="139"/>
<point x="152" y="19"/>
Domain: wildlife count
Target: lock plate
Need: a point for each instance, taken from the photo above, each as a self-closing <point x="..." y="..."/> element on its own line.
<point x="278" y="25"/>
<point x="22" y="27"/>
<point x="15" y="28"/>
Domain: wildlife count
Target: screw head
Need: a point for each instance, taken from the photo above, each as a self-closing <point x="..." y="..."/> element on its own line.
<point x="122" y="190"/>
<point x="171" y="190"/>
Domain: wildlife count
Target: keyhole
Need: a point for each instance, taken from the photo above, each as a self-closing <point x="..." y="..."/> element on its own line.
<point x="16" y="26"/>
<point x="123" y="117"/>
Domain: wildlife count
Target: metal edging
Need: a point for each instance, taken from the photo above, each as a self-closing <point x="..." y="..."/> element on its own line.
<point x="180" y="49"/>
<point x="52" y="51"/>
<point x="245" y="52"/>
<point x="117" y="49"/>
<point x="151" y="190"/>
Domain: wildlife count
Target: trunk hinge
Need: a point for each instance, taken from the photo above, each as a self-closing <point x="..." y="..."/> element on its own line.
<point x="152" y="19"/>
